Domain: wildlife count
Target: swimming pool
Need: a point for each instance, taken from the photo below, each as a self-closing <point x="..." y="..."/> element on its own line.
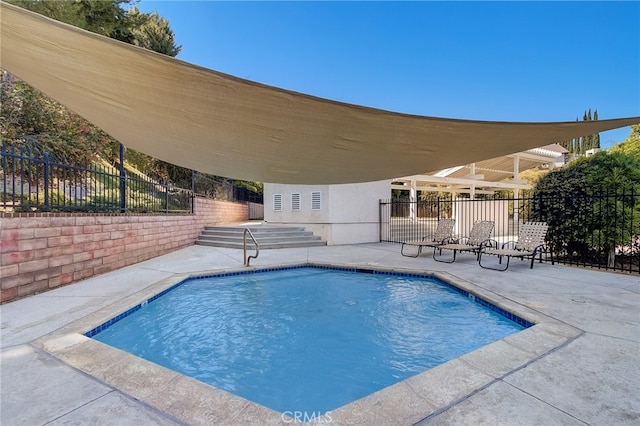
<point x="317" y="343"/>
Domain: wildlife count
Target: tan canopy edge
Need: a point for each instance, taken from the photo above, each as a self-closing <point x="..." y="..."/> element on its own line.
<point x="223" y="125"/>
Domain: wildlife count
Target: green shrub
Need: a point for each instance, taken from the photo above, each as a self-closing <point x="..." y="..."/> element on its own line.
<point x="589" y="207"/>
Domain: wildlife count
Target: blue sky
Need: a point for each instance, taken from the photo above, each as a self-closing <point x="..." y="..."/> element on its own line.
<point x="496" y="61"/>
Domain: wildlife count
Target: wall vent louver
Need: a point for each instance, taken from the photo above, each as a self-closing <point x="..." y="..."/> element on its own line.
<point x="316" y="200"/>
<point x="277" y="202"/>
<point x="295" y="202"/>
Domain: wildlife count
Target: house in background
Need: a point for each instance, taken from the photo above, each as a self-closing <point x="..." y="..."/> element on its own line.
<point x="350" y="213"/>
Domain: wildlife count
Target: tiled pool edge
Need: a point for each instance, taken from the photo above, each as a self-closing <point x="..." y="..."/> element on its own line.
<point x="194" y="402"/>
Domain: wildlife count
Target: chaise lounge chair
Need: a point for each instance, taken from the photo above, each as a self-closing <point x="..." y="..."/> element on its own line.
<point x="441" y="236"/>
<point x="478" y="237"/>
<point x="531" y="242"/>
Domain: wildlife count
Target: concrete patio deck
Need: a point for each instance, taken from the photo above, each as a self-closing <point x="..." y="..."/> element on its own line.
<point x="580" y="365"/>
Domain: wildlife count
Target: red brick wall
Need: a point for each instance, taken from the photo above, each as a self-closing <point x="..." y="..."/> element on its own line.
<point x="40" y="251"/>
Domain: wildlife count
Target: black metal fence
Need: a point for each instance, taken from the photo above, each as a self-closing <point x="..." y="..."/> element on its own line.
<point x="226" y="189"/>
<point x="36" y="181"/>
<point x="592" y="229"/>
<point x="223" y="188"/>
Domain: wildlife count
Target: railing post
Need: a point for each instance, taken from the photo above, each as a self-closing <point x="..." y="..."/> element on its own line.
<point x="4" y="173"/>
<point x="123" y="182"/>
<point x="193" y="189"/>
<point x="380" y="220"/>
<point x="46" y="182"/>
<point x="166" y="197"/>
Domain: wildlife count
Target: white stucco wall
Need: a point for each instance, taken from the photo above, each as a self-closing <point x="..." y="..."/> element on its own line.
<point x="348" y="213"/>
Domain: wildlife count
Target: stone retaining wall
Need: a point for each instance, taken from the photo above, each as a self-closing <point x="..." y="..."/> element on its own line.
<point x="40" y="251"/>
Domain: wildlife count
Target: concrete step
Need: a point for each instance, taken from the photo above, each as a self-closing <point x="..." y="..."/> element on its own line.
<point x="258" y="234"/>
<point x="260" y="238"/>
<point x="268" y="237"/>
<point x="263" y="246"/>
<point x="256" y="228"/>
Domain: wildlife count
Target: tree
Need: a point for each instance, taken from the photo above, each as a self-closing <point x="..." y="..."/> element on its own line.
<point x="152" y="32"/>
<point x="578" y="147"/>
<point x="596" y="137"/>
<point x="29" y="115"/>
<point x="585" y="202"/>
<point x="585" y="145"/>
<point x="105" y="17"/>
<point x="631" y="145"/>
<point x="108" y="18"/>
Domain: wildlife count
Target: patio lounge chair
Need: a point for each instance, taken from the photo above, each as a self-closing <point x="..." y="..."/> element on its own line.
<point x="478" y="237"/>
<point x="441" y="236"/>
<point x="531" y="242"/>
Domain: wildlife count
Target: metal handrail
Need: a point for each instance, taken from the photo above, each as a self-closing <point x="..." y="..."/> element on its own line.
<point x="244" y="247"/>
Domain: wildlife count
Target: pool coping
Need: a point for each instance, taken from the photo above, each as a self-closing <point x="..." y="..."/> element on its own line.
<point x="422" y="396"/>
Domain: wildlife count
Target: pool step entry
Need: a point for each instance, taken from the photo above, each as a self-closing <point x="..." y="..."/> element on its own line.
<point x="267" y="236"/>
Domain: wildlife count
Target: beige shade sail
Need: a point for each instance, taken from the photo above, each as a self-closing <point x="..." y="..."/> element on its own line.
<point x="223" y="125"/>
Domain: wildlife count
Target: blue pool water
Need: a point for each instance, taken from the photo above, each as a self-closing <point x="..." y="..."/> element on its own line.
<point x="306" y="339"/>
